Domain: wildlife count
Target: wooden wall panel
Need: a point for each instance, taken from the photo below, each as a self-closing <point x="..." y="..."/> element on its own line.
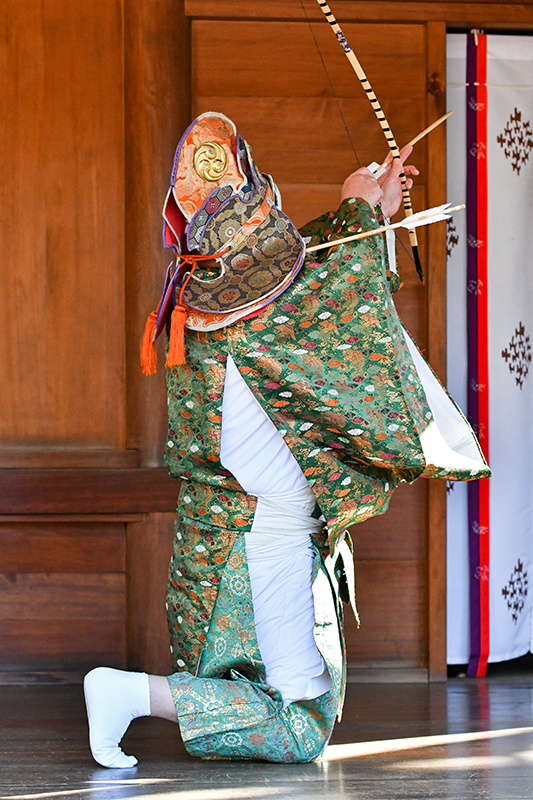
<point x="392" y="607"/>
<point x="390" y="554"/>
<point x="80" y="591"/>
<point x="26" y="457"/>
<point x="62" y="594"/>
<point x="382" y="49"/>
<point x="402" y="529"/>
<point x="62" y="645"/>
<point x="285" y="106"/>
<point x="149" y="547"/>
<point x="57" y="547"/>
<point x="62" y="225"/>
<point x="62" y="621"/>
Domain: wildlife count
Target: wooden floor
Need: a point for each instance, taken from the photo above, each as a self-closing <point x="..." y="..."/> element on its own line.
<point x="463" y="740"/>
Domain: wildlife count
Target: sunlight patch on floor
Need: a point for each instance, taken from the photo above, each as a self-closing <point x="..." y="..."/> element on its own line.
<point x="336" y="752"/>
<point x="230" y="793"/>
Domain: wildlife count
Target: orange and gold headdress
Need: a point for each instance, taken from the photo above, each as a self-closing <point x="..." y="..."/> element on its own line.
<point x="235" y="249"/>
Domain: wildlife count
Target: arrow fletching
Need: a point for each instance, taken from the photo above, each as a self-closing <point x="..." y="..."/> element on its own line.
<point x="428" y="216"/>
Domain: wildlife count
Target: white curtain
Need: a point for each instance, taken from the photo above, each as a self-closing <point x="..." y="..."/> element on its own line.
<point x="509" y="154"/>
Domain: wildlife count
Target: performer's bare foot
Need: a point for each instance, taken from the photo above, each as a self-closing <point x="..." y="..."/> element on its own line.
<point x="113" y="699"/>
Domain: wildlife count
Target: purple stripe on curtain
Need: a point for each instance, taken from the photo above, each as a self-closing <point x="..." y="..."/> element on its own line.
<point x="473" y="266"/>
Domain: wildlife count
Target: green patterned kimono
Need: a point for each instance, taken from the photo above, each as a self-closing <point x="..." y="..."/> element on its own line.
<point x="329" y="364"/>
<point x="227" y="710"/>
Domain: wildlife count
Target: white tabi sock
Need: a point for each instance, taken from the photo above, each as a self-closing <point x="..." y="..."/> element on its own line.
<point x="113" y="698"/>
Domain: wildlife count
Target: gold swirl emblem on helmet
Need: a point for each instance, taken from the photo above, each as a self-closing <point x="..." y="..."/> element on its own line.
<point x="210" y="161"/>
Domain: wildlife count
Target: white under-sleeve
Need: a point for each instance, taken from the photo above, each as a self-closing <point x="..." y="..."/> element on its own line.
<point x="280" y="562"/>
<point x="278" y="550"/>
<point x="250" y="445"/>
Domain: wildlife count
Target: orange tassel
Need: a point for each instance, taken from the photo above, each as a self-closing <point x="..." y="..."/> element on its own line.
<point x="148" y="353"/>
<point x="176" y="344"/>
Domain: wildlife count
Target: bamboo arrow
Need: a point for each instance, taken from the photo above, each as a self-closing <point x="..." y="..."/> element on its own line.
<point x="426" y="217"/>
<point x="378" y="170"/>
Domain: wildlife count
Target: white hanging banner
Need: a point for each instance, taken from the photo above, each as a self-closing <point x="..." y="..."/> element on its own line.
<point x="489" y="600"/>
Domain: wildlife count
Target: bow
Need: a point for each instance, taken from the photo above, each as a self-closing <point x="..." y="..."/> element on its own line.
<point x="395" y="151"/>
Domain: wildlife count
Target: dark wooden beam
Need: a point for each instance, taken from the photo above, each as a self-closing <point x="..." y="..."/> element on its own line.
<point x="454" y="13"/>
<point x="86" y="491"/>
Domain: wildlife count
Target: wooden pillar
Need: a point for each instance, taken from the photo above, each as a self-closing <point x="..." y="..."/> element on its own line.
<point x="148" y="550"/>
<point x="157" y="111"/>
<point x="436" y="309"/>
